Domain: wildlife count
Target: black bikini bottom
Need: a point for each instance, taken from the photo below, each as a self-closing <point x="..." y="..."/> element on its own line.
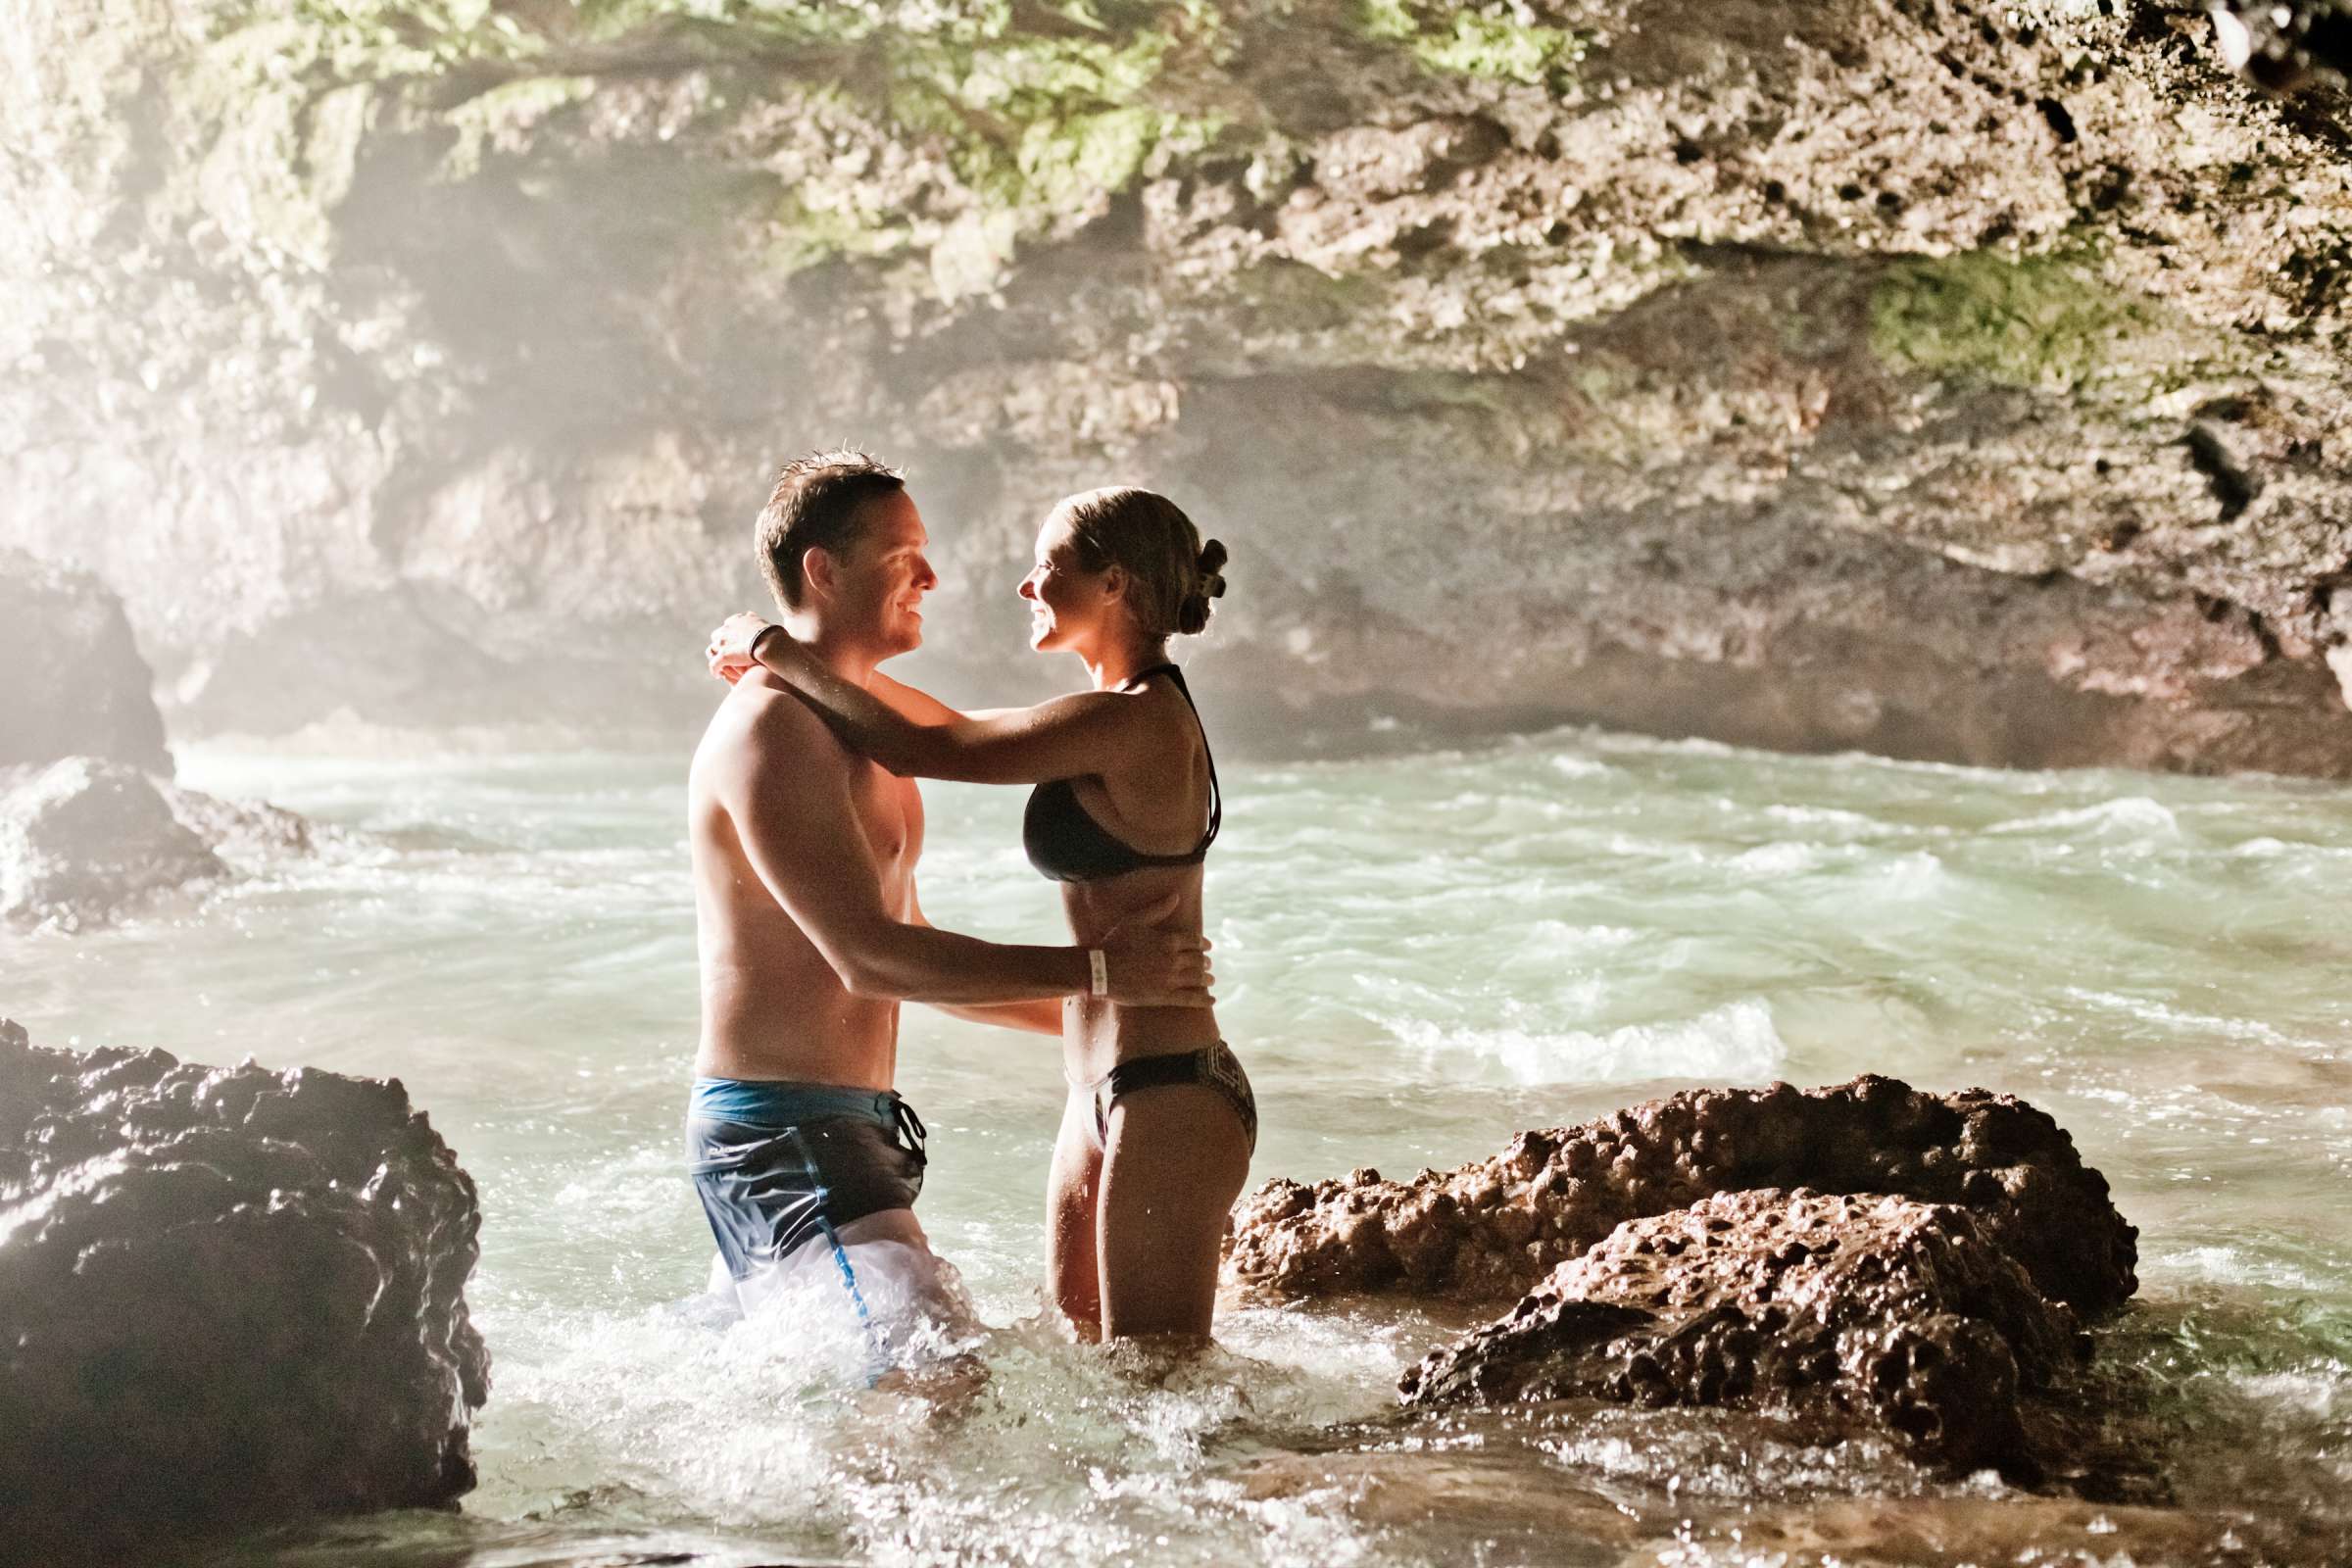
<point x="1215" y="1067"/>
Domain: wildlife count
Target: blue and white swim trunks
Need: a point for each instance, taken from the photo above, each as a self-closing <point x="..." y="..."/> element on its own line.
<point x="786" y="1173"/>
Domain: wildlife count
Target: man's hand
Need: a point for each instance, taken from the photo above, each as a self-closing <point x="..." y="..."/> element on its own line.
<point x="1157" y="969"/>
<point x="730" y="650"/>
<point x="1150" y="965"/>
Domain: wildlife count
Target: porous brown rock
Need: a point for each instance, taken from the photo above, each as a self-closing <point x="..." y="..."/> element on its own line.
<point x="227" y="1297"/>
<point x="1493" y="1228"/>
<point x="1839" y="1313"/>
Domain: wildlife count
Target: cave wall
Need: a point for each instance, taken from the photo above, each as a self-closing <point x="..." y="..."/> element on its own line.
<point x="1942" y="379"/>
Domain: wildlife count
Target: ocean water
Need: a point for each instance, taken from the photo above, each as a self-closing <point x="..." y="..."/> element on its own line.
<point x="1417" y="957"/>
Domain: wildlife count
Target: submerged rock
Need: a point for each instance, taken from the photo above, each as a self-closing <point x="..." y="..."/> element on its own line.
<point x="90" y="821"/>
<point x="227" y="1297"/>
<point x="1839" y="1311"/>
<point x="82" y="839"/>
<point x="1494" y="1227"/>
<point x="243" y="831"/>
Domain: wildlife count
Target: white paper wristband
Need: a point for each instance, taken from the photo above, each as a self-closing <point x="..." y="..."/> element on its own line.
<point x="1097" y="969"/>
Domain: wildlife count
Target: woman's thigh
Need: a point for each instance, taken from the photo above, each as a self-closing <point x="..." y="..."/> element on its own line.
<point x="1176" y="1160"/>
<point x="1070" y="1192"/>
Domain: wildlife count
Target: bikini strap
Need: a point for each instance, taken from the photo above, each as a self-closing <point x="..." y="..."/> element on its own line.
<point x="1216" y="793"/>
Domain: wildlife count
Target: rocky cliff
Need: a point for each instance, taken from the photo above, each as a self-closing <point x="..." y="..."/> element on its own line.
<point x="1942" y="378"/>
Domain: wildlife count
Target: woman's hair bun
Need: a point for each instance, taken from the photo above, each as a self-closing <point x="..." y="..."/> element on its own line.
<point x="1212" y="567"/>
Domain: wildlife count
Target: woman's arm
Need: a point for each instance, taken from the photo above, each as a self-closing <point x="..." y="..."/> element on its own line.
<point x="1088" y="732"/>
<point x="916" y="707"/>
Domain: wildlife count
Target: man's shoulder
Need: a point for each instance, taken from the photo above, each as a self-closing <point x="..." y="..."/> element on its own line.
<point x="763" y="728"/>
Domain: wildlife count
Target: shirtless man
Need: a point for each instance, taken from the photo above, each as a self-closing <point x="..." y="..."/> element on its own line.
<point x="801" y="1149"/>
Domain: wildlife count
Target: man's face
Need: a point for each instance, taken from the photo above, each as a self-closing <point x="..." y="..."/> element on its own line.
<point x="879" y="581"/>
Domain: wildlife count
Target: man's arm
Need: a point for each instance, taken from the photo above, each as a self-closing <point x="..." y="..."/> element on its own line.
<point x="1038" y="1016"/>
<point x="801" y="834"/>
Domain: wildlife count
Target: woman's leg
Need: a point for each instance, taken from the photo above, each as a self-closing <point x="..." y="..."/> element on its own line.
<point x="1070" y="1188"/>
<point x="1176" y="1160"/>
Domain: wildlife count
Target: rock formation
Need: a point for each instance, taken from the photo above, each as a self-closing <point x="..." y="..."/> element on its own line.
<point x="1938" y="377"/>
<point x="229" y="1297"/>
<point x="90" y="821"/>
<point x="1493" y="1228"/>
<point x="1839" y="1313"/>
<point x="82" y="839"/>
<point x="75" y="685"/>
<point x="1866" y="1258"/>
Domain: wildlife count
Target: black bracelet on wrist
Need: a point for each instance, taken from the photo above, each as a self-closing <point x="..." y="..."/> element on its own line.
<point x="754" y="649"/>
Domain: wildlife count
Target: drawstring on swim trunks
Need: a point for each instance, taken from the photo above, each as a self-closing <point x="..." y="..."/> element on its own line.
<point x="910" y="1126"/>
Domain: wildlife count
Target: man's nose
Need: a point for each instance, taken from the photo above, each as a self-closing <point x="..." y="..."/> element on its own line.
<point x="1028" y="587"/>
<point x="924" y="577"/>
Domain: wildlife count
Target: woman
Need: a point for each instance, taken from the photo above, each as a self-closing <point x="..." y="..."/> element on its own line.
<point x="1160" y="1124"/>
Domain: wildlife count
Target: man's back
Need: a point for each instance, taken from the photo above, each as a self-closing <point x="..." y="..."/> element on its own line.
<point x="774" y="1007"/>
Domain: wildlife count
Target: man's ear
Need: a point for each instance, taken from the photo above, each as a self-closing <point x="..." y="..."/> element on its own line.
<point x="818" y="570"/>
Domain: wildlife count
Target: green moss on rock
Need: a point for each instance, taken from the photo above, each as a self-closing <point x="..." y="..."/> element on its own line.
<point x="1027" y="123"/>
<point x="2047" y="323"/>
<point x="1482" y="38"/>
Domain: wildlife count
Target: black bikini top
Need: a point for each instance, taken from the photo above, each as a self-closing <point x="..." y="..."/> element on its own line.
<point x="1067" y="844"/>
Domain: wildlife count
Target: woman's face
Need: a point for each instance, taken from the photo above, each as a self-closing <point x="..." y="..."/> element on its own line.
<point x="1066" y="602"/>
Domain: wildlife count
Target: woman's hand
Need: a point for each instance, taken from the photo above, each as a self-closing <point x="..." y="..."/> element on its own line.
<point x="730" y="650"/>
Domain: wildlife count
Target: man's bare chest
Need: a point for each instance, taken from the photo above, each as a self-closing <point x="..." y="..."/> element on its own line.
<point x="890" y="814"/>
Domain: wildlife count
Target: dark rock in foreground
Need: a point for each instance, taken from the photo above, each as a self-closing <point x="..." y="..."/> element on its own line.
<point x="82" y="839"/>
<point x="1496" y="1227"/>
<point x="1842" y="1312"/>
<point x="228" y="1296"/>
<point x="75" y="685"/>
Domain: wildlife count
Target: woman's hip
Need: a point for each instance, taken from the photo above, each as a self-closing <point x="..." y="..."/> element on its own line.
<point x="1212" y="1067"/>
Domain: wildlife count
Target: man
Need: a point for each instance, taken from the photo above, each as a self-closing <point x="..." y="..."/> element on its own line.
<point x="810" y="935"/>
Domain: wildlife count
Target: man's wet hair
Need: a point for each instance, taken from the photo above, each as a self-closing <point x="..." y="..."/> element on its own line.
<point x="818" y="503"/>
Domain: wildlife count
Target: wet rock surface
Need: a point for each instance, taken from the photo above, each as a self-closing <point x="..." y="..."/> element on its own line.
<point x="92" y="825"/>
<point x="229" y="1297"/>
<point x="1836" y="1312"/>
<point x="1493" y="1228"/>
<point x="82" y="841"/>
<point x="1941" y="379"/>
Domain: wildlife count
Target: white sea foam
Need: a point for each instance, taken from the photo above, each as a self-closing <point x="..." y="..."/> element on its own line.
<point x="1778" y="860"/>
<point x="2227" y="1265"/>
<point x="2183" y="1020"/>
<point x="2129" y="818"/>
<point x="1735" y="1041"/>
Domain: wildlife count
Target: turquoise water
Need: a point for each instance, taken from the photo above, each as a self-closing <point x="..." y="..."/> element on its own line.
<point x="1417" y="956"/>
